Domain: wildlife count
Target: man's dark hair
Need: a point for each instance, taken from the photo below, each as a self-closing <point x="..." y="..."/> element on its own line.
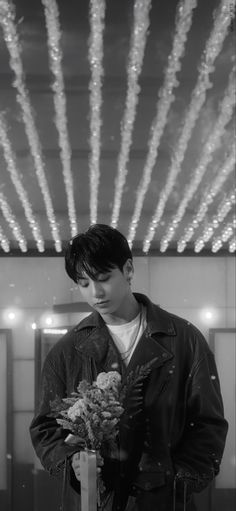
<point x="100" y="249"/>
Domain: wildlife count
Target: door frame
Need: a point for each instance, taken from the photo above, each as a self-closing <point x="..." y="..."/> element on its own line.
<point x="212" y="332"/>
<point x="9" y="414"/>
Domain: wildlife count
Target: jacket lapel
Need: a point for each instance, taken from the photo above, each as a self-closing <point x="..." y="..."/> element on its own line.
<point x="97" y="343"/>
<point x="147" y="350"/>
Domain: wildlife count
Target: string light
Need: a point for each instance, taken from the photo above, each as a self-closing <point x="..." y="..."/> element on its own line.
<point x="96" y="17"/>
<point x="222" y="211"/>
<point x="213" y="47"/>
<point x="222" y="20"/>
<point x="227" y="231"/>
<point x="4" y="242"/>
<point x="207" y="199"/>
<point x="7" y="20"/>
<point x="135" y="62"/>
<point x="55" y="56"/>
<point x="232" y="245"/>
<point x="12" y="169"/>
<point x="11" y="220"/>
<point x="226" y="111"/>
<point x="55" y="331"/>
<point x="165" y="99"/>
<point x="216" y="245"/>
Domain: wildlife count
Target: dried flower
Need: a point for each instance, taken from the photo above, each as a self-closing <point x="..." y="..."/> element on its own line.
<point x="92" y="415"/>
<point x="93" y="412"/>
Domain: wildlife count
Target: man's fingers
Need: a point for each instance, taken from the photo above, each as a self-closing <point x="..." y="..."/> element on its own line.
<point x="100" y="461"/>
<point x="75" y="463"/>
<point x="77" y="475"/>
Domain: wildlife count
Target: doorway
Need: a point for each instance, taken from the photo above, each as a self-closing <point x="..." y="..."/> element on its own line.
<point x="6" y="420"/>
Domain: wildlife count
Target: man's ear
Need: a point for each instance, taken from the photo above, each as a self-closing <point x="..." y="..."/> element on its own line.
<point x="128" y="270"/>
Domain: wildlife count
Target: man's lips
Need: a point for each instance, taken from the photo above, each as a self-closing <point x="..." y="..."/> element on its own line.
<point x="102" y="302"/>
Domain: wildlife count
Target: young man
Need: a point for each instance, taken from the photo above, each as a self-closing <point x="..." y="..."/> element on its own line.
<point x="174" y="445"/>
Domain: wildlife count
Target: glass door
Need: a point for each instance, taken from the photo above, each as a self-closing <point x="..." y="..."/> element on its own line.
<point x="47" y="489"/>
<point x="5" y="420"/>
<point x="223" y="344"/>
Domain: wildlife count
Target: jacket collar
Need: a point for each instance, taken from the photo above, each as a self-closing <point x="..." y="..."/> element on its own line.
<point x="96" y="341"/>
<point x="158" y="320"/>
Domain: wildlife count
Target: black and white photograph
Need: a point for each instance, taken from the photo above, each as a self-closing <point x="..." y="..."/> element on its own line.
<point x="117" y="255"/>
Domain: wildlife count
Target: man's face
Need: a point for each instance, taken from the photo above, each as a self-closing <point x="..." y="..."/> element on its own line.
<point x="108" y="292"/>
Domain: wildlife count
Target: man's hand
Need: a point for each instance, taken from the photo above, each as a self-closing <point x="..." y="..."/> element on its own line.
<point x="75" y="463"/>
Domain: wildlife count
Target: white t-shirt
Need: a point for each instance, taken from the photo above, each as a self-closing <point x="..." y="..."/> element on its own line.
<point x="127" y="335"/>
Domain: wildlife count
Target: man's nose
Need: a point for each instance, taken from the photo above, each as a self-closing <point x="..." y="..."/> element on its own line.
<point x="97" y="289"/>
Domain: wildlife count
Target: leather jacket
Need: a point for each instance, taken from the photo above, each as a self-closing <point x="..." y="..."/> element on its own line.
<point x="176" y="441"/>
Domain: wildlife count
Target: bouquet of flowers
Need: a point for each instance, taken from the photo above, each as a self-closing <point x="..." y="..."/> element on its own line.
<point x="92" y="414"/>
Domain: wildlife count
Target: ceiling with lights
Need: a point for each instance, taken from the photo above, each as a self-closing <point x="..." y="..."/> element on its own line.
<point x="119" y="112"/>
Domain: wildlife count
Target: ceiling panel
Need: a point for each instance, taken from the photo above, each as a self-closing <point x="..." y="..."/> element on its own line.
<point x="127" y="117"/>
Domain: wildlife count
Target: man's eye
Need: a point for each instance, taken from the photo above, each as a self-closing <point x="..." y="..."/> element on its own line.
<point x="83" y="283"/>
<point x="104" y="279"/>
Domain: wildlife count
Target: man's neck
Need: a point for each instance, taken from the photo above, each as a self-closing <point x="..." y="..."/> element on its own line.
<point x="129" y="309"/>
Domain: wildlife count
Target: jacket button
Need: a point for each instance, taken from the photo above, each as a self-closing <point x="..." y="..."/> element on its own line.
<point x="164" y="355"/>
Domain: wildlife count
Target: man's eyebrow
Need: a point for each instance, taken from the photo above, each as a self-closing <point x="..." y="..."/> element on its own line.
<point x="101" y="273"/>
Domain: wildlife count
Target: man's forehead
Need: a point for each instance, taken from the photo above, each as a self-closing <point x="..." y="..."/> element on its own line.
<point x="94" y="273"/>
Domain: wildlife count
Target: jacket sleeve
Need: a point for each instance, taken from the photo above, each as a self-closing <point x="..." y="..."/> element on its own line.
<point x="47" y="436"/>
<point x="198" y="455"/>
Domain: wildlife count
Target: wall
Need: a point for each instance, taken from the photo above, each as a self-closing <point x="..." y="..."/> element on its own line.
<point x="201" y="289"/>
